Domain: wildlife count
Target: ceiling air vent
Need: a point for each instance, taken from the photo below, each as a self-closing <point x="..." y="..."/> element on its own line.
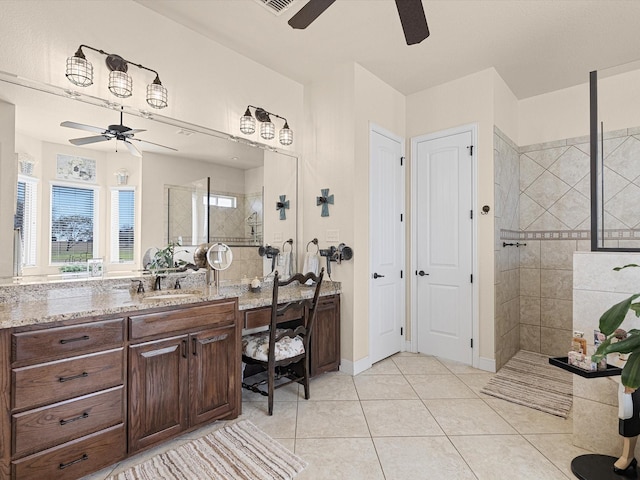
<point x="276" y="6"/>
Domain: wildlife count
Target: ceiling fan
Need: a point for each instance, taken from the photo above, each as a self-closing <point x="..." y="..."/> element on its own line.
<point x="119" y="132"/>
<point x="412" y="17"/>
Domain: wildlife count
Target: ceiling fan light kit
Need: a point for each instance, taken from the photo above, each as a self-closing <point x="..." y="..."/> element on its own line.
<point x="79" y="71"/>
<point x="267" y="128"/>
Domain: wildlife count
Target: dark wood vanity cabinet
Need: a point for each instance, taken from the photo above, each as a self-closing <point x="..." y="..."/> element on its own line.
<point x="85" y="393"/>
<point x="178" y="382"/>
<point x="67" y="400"/>
<point x="325" y="339"/>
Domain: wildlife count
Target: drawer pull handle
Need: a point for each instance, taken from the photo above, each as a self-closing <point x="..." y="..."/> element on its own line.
<point x="66" y="379"/>
<point x="77" y="339"/>
<point x="79" y="417"/>
<point x="78" y="460"/>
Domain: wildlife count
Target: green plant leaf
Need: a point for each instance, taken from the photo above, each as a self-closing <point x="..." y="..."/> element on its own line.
<point x="628" y="345"/>
<point x="631" y="371"/>
<point x="600" y="353"/>
<point x="636" y="308"/>
<point x="613" y="318"/>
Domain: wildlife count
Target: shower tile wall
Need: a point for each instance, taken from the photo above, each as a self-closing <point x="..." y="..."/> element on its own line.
<point x="507" y="274"/>
<point x="552" y="213"/>
<point x="555" y="222"/>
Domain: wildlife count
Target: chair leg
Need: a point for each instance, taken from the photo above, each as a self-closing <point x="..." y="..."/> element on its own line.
<point x="306" y="378"/>
<point x="271" y="385"/>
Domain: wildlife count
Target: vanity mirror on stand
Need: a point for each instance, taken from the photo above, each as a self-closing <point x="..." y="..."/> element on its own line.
<point x="219" y="258"/>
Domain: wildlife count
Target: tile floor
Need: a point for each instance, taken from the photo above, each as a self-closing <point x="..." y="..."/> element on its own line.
<point x="409" y="417"/>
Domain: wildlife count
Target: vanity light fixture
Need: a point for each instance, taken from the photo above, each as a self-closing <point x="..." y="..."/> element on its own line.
<point x="267" y="128"/>
<point x="80" y="72"/>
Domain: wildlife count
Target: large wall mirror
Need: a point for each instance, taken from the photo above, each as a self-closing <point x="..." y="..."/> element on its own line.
<point x="99" y="201"/>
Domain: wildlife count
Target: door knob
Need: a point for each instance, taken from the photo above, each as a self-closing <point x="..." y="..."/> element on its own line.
<point x="422" y="273"/>
<point x="375" y="275"/>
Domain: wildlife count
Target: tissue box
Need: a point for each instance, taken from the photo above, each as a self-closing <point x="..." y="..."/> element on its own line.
<point x="582" y="361"/>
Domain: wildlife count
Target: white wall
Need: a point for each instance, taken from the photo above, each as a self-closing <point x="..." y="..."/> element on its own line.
<point x="565" y="113"/>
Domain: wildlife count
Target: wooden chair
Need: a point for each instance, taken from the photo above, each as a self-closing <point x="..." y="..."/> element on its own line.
<point x="284" y="352"/>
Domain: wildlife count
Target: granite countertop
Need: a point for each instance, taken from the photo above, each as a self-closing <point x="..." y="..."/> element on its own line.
<point x="81" y="302"/>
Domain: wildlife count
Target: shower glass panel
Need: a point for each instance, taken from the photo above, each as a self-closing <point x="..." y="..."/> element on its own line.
<point x="615" y="159"/>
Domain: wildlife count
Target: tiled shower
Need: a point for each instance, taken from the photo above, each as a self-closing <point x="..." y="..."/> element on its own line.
<point x="552" y="217"/>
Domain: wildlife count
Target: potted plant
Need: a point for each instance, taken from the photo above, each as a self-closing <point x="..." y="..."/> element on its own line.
<point x="626" y="342"/>
<point x="163" y="259"/>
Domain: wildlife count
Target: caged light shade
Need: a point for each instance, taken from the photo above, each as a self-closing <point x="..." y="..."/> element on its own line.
<point x="120" y="84"/>
<point x="286" y="135"/>
<point x="157" y="94"/>
<point x="267" y="130"/>
<point x="247" y="123"/>
<point x="79" y="70"/>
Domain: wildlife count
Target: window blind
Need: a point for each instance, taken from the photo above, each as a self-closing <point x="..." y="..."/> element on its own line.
<point x="26" y="219"/>
<point x="122" y="225"/>
<point x="73" y="213"/>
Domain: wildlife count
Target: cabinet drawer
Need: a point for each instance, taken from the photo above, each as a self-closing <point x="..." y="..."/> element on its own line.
<point x="169" y="321"/>
<point x="75" y="459"/>
<point x="35" y="430"/>
<point x="51" y="343"/>
<point x="261" y="317"/>
<point x="63" y="379"/>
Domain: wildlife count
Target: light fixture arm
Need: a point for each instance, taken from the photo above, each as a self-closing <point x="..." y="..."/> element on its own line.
<point x="80" y="53"/>
<point x="260" y="112"/>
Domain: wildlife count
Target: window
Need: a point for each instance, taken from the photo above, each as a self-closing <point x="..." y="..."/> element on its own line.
<point x="122" y="225"/>
<point x="73" y="214"/>
<point x="26" y="219"/>
<point x="225" y="201"/>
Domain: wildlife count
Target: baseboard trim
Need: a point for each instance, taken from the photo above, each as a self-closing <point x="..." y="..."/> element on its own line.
<point x="487" y="364"/>
<point x="354" y="368"/>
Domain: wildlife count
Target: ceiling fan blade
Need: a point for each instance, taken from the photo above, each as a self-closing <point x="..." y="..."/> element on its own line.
<point x="132" y="149"/>
<point x="82" y="126"/>
<point x="309" y="13"/>
<point x="88" y="140"/>
<point x="135" y="130"/>
<point x="413" y="19"/>
<point x="144" y="142"/>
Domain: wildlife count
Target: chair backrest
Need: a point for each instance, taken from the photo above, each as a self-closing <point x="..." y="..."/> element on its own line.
<point x="306" y="306"/>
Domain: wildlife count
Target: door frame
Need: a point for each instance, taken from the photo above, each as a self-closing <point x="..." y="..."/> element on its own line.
<point x="403" y="237"/>
<point x="473" y="128"/>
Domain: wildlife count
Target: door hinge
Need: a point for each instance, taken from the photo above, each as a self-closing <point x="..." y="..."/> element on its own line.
<point x="401" y="161"/>
<point x="401" y="274"/>
<point x="471" y="214"/>
<point x="472" y="278"/>
<point x="472" y="343"/>
<point x="401" y="330"/>
<point x="470" y="147"/>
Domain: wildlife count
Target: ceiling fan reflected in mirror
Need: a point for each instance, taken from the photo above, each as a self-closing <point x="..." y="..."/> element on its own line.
<point x="118" y="132"/>
<point x="411" y="12"/>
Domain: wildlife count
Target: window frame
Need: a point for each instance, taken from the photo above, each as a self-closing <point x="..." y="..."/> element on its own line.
<point x="30" y="220"/>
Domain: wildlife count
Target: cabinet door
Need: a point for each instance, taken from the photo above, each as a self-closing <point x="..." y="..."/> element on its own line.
<point x="158" y="390"/>
<point x="214" y="371"/>
<point x="325" y="339"/>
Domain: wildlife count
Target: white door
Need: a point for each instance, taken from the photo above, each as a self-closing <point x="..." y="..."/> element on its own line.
<point x="386" y="244"/>
<point x="443" y="236"/>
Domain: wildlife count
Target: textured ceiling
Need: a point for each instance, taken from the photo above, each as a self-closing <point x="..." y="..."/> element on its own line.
<point x="536" y="46"/>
